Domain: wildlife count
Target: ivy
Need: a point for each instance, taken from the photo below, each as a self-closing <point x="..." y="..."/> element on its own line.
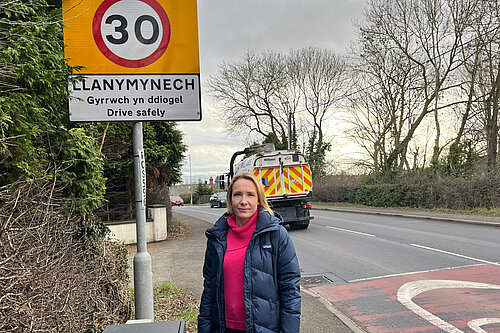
<point x="83" y="172"/>
<point x="35" y="133"/>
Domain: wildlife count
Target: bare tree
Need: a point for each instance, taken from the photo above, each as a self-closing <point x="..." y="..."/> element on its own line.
<point x="481" y="54"/>
<point x="382" y="106"/>
<point x="488" y="31"/>
<point x="321" y="78"/>
<point x="266" y="93"/>
<point x="427" y="36"/>
<point x="251" y="94"/>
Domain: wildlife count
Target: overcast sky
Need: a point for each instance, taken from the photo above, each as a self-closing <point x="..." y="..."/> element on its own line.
<point x="228" y="29"/>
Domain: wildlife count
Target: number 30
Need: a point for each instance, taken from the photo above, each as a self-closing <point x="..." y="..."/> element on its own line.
<point x="137" y="29"/>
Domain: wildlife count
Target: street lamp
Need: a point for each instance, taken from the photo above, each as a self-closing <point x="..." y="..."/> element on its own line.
<point x="190" y="180"/>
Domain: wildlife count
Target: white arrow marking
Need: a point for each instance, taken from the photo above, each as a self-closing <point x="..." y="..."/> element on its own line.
<point x="411" y="289"/>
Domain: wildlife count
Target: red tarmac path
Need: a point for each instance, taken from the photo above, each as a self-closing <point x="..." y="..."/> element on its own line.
<point x="451" y="300"/>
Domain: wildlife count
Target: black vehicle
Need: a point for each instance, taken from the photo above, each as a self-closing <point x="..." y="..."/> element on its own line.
<point x="218" y="200"/>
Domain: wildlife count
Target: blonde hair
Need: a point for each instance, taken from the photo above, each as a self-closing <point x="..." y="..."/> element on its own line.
<point x="260" y="192"/>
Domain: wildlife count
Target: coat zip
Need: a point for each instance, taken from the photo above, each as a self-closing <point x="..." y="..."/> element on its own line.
<point x="220" y="277"/>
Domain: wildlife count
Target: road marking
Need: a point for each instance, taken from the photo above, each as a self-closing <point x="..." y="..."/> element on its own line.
<point x="354" y="232"/>
<point x="411" y="289"/>
<point x="411" y="273"/>
<point x="476" y="324"/>
<point x="456" y="254"/>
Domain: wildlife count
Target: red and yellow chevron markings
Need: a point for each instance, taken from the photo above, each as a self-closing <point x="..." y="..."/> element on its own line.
<point x="295" y="179"/>
<point x="268" y="178"/>
<point x="296" y="182"/>
<point x="306" y="172"/>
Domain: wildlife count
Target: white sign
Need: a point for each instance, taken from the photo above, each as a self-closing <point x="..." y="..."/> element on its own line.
<point x="136" y="98"/>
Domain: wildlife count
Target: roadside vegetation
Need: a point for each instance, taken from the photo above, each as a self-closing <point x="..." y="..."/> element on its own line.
<point x="59" y="183"/>
<point x="474" y="194"/>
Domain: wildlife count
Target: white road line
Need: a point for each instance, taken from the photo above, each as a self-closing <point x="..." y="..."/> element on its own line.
<point x="456" y="254"/>
<point x="354" y="232"/>
<point x="476" y="324"/>
<point x="411" y="273"/>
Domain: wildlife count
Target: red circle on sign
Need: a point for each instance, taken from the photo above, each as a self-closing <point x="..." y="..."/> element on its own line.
<point x="96" y="31"/>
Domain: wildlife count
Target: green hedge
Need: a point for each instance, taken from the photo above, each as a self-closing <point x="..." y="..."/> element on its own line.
<point x="418" y="191"/>
<point x="381" y="195"/>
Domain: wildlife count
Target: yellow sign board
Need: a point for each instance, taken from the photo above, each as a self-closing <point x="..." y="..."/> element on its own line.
<point x="132" y="36"/>
<point x="140" y="60"/>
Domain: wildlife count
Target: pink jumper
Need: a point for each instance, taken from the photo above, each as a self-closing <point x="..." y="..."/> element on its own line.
<point x="237" y="243"/>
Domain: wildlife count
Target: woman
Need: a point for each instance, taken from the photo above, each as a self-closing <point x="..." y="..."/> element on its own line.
<point x="251" y="271"/>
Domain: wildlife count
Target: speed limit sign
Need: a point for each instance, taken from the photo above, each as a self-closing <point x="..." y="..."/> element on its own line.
<point x="134" y="60"/>
<point x="131" y="33"/>
<point x="132" y="36"/>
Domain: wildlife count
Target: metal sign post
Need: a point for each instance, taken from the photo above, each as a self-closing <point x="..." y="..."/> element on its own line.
<point x="143" y="275"/>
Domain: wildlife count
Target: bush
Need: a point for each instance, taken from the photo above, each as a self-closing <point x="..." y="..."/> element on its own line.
<point x="51" y="280"/>
<point x="334" y="188"/>
<point x="419" y="190"/>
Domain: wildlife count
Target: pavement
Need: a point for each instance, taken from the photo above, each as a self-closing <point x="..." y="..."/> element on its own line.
<point x="417" y="213"/>
<point x="181" y="262"/>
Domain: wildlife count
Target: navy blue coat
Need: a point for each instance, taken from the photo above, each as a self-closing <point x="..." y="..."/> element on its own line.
<point x="271" y="282"/>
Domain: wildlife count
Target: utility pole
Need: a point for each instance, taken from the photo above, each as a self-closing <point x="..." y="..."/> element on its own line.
<point x="289" y="131"/>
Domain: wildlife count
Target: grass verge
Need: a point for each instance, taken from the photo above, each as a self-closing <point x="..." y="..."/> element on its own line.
<point x="171" y="302"/>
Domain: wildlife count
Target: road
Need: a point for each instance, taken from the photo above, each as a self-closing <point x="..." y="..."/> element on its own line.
<point x="393" y="274"/>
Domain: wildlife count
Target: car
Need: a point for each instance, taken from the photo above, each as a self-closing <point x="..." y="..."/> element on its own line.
<point x="218" y="200"/>
<point x="176" y="200"/>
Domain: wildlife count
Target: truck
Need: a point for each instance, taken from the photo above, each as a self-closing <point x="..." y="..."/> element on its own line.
<point x="286" y="178"/>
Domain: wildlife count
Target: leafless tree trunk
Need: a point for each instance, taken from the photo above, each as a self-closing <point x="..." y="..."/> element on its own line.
<point x="491" y="117"/>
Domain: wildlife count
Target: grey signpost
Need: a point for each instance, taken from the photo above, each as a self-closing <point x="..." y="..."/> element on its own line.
<point x="143" y="275"/>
